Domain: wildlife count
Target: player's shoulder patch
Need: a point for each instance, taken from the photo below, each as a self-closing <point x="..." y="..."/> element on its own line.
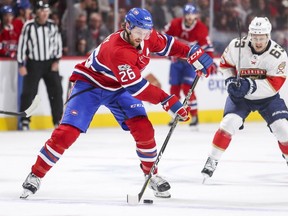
<point x="281" y="68"/>
<point x="124" y="67"/>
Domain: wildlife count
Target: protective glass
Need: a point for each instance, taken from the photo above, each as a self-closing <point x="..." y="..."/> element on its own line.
<point x="137" y="32"/>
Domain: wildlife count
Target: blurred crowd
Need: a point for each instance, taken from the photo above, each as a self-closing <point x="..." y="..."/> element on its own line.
<point x="84" y="24"/>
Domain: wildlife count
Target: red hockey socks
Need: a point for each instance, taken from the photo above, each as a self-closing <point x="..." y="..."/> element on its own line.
<point x="192" y="102"/>
<point x="61" y="139"/>
<point x="143" y="132"/>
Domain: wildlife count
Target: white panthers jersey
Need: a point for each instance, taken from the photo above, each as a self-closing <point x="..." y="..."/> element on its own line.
<point x="268" y="69"/>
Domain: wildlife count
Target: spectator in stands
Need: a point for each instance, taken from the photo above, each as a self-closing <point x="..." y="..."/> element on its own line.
<point x="176" y="7"/>
<point x="121" y="16"/>
<point x="204" y="7"/>
<point x="6" y="3"/>
<point x="282" y="19"/>
<point x="81" y="31"/>
<point x="81" y="47"/>
<point x="262" y="9"/>
<point x="104" y="9"/>
<point x="69" y="19"/>
<point x="129" y="4"/>
<point x="8" y="35"/>
<point x="244" y="8"/>
<point x="162" y="14"/>
<point x="55" y="17"/>
<point x="78" y="8"/>
<point x="97" y="31"/>
<point x="81" y="26"/>
<point x="232" y="16"/>
<point x="23" y="13"/>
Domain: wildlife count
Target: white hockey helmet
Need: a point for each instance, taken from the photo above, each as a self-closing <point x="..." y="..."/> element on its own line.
<point x="260" y="25"/>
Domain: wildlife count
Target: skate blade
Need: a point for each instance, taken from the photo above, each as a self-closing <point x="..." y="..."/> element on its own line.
<point x="164" y="194"/>
<point x="205" y="177"/>
<point x="25" y="194"/>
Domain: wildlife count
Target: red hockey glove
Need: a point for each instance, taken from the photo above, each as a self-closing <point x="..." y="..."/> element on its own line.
<point x="199" y="60"/>
<point x="213" y="69"/>
<point x="173" y="106"/>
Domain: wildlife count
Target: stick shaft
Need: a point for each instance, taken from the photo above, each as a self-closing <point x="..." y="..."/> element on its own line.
<point x="239" y="53"/>
<point x="161" y="151"/>
<point x="13" y="113"/>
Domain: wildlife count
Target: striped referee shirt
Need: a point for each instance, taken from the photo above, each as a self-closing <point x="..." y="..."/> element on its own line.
<point x="39" y="42"/>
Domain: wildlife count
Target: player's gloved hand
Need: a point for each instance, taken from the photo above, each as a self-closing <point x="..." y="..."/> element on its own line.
<point x="246" y="86"/>
<point x="199" y="60"/>
<point x="213" y="69"/>
<point x="172" y="105"/>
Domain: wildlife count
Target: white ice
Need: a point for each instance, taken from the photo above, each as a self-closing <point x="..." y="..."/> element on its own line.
<point x="94" y="176"/>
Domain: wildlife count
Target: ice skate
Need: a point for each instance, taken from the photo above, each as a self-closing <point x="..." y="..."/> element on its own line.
<point x="209" y="168"/>
<point x="159" y="186"/>
<point x="30" y="185"/>
<point x="194" y="121"/>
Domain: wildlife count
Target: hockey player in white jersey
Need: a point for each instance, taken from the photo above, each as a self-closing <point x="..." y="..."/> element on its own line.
<point x="253" y="81"/>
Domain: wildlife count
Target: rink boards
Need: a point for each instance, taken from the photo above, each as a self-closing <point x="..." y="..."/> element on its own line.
<point x="210" y="92"/>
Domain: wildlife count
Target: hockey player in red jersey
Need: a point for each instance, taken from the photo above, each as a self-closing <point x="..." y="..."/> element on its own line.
<point x="253" y="85"/>
<point x="8" y="34"/>
<point x="23" y="13"/>
<point x="111" y="76"/>
<point x="190" y="30"/>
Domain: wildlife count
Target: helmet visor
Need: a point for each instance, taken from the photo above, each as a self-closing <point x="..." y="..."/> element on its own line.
<point x="137" y="32"/>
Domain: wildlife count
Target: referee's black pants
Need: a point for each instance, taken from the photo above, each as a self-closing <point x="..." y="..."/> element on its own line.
<point x="37" y="70"/>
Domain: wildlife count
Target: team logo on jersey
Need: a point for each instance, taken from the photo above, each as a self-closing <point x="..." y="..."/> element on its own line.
<point x="254" y="73"/>
<point x="74" y="112"/>
<point x="281" y="68"/>
<point x="254" y="59"/>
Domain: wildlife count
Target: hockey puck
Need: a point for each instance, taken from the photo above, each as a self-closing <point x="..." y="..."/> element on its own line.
<point x="148" y="201"/>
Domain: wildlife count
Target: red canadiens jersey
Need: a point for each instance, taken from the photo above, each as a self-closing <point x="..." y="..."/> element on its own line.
<point x="197" y="33"/>
<point x="115" y="64"/>
<point x="18" y="25"/>
<point x="8" y="41"/>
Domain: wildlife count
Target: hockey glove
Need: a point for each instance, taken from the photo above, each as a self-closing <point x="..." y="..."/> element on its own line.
<point x="246" y="86"/>
<point x="173" y="106"/>
<point x="213" y="69"/>
<point x="199" y="60"/>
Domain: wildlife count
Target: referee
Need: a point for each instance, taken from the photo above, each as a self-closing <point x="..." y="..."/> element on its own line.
<point x="38" y="54"/>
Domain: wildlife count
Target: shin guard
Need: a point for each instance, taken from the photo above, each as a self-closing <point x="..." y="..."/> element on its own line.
<point x="221" y="142"/>
<point x="143" y="132"/>
<point x="61" y="139"/>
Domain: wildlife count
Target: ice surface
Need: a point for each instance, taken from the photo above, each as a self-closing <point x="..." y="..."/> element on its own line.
<point x="94" y="176"/>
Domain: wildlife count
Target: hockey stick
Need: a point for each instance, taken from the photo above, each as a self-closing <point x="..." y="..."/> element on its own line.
<point x="134" y="200"/>
<point x="239" y="53"/>
<point x="28" y="112"/>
